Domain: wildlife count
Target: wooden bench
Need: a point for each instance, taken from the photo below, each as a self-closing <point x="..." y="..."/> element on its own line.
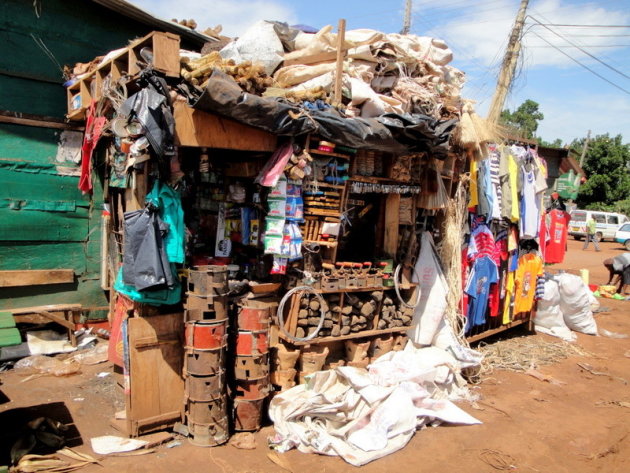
<point x="44" y="313"/>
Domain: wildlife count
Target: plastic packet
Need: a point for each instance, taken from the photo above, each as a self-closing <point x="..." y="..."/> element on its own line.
<point x="40" y="364"/>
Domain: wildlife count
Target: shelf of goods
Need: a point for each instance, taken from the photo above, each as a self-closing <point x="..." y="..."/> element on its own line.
<point x="348" y="313"/>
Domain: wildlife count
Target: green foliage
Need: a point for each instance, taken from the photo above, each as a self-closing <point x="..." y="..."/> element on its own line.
<point x="557" y="143"/>
<point x="607" y="167"/>
<point x="524" y="119"/>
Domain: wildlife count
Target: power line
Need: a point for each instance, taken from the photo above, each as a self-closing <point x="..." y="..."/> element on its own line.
<point x="585" y="26"/>
<point x="602" y="56"/>
<point x="583" y="50"/>
<point x="586" y="46"/>
<point x="583" y="65"/>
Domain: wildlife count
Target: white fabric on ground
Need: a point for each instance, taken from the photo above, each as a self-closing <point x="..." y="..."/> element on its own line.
<point x="362" y="415"/>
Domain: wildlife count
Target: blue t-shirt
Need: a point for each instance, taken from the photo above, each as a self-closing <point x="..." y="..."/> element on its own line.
<point x="483" y="274"/>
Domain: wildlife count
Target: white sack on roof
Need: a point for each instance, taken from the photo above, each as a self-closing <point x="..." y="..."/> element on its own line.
<point x="362" y="415"/>
<point x="289" y="76"/>
<point x="259" y="44"/>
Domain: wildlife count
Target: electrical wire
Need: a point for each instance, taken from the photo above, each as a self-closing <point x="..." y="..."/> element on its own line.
<point x="586" y="46"/>
<point x="610" y="59"/>
<point x="585" y="26"/>
<point x="583" y="65"/>
<point x="582" y="49"/>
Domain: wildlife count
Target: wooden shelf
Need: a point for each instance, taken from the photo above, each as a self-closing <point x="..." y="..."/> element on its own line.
<point x="354" y="289"/>
<point x="386" y="180"/>
<point x="362" y="334"/>
<point x="321" y="242"/>
<point x="327" y="153"/>
<point x="321" y="214"/>
<point x="164" y="48"/>
<point x="332" y="186"/>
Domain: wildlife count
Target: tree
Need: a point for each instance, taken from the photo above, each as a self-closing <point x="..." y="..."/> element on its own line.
<point x="607" y="168"/>
<point x="524" y="119"/>
<point x="557" y="143"/>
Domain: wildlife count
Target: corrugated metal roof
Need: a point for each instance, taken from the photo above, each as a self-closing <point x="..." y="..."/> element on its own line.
<point x="138" y="14"/>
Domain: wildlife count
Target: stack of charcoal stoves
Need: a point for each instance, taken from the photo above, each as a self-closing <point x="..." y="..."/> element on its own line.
<point x="206" y="314"/>
<point x="211" y="348"/>
<point x="251" y="385"/>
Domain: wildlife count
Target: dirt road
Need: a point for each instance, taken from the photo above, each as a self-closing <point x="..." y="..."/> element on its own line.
<point x="580" y="426"/>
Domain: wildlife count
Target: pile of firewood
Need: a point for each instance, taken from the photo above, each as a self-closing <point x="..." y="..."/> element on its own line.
<point x="250" y="77"/>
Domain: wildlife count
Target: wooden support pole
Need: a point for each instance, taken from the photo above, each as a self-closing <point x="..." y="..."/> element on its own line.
<point x="341" y="53"/>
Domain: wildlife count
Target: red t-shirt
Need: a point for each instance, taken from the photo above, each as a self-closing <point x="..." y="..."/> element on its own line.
<point x="557" y="243"/>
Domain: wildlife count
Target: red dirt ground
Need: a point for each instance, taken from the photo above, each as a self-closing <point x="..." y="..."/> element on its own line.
<point x="575" y="427"/>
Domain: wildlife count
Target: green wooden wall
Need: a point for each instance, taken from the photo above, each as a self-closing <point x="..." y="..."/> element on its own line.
<point x="45" y="221"/>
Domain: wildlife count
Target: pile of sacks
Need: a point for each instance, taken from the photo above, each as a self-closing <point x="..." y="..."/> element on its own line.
<point x="567" y="306"/>
<point x="382" y="73"/>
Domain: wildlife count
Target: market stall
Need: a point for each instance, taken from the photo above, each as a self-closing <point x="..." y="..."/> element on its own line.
<point x="291" y="204"/>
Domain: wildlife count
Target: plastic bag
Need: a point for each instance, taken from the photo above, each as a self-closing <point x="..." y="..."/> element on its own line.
<point x="40" y="364"/>
<point x="575" y="304"/>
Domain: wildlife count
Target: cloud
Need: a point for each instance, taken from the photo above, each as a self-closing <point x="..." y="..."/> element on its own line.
<point x="602" y="113"/>
<point x="479" y="35"/>
<point x="234" y="16"/>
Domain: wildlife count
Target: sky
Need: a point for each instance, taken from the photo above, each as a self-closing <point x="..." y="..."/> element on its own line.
<point x="572" y="98"/>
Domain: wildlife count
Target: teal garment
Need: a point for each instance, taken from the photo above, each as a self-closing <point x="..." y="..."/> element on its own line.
<point x="158" y="297"/>
<point x="169" y="202"/>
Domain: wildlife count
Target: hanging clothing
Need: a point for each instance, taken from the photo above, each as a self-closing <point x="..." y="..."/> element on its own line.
<point x="508" y="178"/>
<point x="169" y="203"/>
<point x="530" y="266"/>
<point x="484" y="193"/>
<point x="530" y="211"/>
<point x="508" y="299"/>
<point x="473" y="186"/>
<point x="495" y="184"/>
<point x="93" y="130"/>
<point x="482" y="244"/>
<point x="483" y="275"/>
<point x="558" y="231"/>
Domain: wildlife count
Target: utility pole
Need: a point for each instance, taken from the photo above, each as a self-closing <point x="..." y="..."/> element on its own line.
<point x="583" y="156"/>
<point x="407" y="19"/>
<point x="509" y="65"/>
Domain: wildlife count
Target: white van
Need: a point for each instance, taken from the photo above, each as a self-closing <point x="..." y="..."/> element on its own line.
<point x="607" y="223"/>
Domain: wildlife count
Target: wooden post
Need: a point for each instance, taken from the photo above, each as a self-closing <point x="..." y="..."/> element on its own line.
<point x="509" y="65"/>
<point x="341" y="34"/>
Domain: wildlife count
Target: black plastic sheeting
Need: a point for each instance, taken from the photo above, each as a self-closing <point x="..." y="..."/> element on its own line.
<point x="145" y="264"/>
<point x="398" y="134"/>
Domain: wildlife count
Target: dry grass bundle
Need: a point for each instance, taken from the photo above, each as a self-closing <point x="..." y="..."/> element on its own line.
<point x="451" y="256"/>
<point x="466" y="132"/>
<point x="523" y="353"/>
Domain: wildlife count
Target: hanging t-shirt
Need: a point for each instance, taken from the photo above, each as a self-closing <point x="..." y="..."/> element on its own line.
<point x="473" y="188"/>
<point x="557" y="242"/>
<point x="493" y="166"/>
<point x="508" y="177"/>
<point x="508" y="300"/>
<point x="543" y="235"/>
<point x="484" y="273"/>
<point x="530" y="266"/>
<point x="482" y="244"/>
<point x="530" y="214"/>
<point x="484" y="187"/>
